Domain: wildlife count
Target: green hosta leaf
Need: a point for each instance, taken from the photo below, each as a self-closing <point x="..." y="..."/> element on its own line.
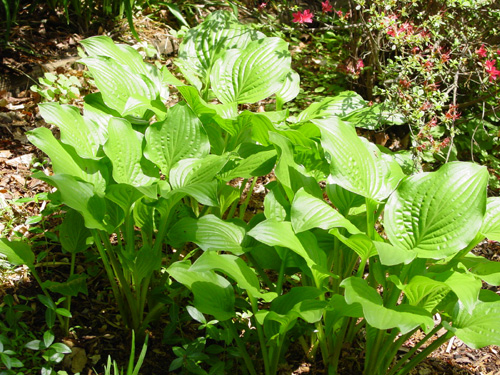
<point x="276" y="205"/>
<point x="252" y="166"/>
<point x="213" y="294"/>
<point x="343" y="199"/>
<point x="123" y="54"/>
<point x="374" y="117"/>
<point x="437" y="214"/>
<point x="486" y="270"/>
<point x="491" y="222"/>
<point x="124" y="149"/>
<point x="207" y="42"/>
<point x="179" y="136"/>
<point x="360" y="243"/>
<point x="298" y="302"/>
<point x="340" y="106"/>
<point x="117" y="84"/>
<point x="252" y="74"/>
<point x="80" y="196"/>
<point x="194" y="171"/>
<point x="147" y="260"/>
<point x="17" y="252"/>
<point x="71" y="287"/>
<point x="404" y="317"/>
<point x="464" y="285"/>
<point x="204" y="192"/>
<point x="234" y="267"/>
<point x="64" y="160"/>
<point x="123" y="195"/>
<point x="310" y="212"/>
<point x="280" y="233"/>
<point x="72" y="233"/>
<point x="291" y="175"/>
<point x="391" y="255"/>
<point x="425" y="292"/>
<point x="290" y="88"/>
<point x="209" y="233"/>
<point x="479" y="328"/>
<point x="80" y="133"/>
<point x="95" y="110"/>
<point x="355" y="164"/>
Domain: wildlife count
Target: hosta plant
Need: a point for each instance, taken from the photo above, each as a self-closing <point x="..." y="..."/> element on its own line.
<point x="348" y="243"/>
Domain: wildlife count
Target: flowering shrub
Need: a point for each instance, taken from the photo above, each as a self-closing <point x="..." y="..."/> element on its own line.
<point x="437" y="64"/>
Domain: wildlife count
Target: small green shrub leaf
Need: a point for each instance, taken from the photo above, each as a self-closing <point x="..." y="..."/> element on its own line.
<point x="71" y="287"/>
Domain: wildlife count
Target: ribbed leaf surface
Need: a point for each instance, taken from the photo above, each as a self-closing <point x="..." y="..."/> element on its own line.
<point x="438" y="214"/>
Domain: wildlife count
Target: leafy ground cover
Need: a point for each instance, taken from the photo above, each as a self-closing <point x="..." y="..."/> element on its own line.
<point x="96" y="320"/>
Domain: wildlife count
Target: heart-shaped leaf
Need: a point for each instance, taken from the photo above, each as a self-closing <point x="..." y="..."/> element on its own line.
<point x="252" y="74"/>
<point x="439" y="213"/>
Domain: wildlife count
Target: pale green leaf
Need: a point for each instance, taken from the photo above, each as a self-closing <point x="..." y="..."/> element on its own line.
<point x="17" y="252"/>
<point x="491" y="222"/>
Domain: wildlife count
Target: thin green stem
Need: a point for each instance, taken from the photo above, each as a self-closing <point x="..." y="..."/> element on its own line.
<point x="413" y="350"/>
<point x="260" y="333"/>
<point x="244" y="206"/>
<point x="425" y="353"/>
<point x="373" y="351"/>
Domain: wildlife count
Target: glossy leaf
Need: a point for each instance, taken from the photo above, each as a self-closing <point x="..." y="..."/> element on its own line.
<point x="339" y="106"/>
<point x="77" y="131"/>
<point x="491" y="222"/>
<point x="179" y="136"/>
<point x="437" y="214"/>
<point x="404" y="317"/>
<point x="310" y="212"/>
<point x="355" y="164"/>
<point x="210" y="233"/>
<point x="479" y="328"/>
<point x="252" y="74"/>
<point x="124" y="149"/>
<point x="196" y="170"/>
<point x="290" y="88"/>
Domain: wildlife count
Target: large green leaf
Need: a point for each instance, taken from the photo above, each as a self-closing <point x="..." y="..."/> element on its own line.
<point x="77" y="131"/>
<point x="254" y="165"/>
<point x="123" y="195"/>
<point x="355" y="164"/>
<point x="124" y="149"/>
<point x="179" y="136"/>
<point x="404" y="317"/>
<point x="196" y="170"/>
<point x="252" y="74"/>
<point x="290" y="88"/>
<point x="80" y="196"/>
<point x="310" y="212"/>
<point x="65" y="160"/>
<point x="207" y="42"/>
<point x="17" y="252"/>
<point x="439" y="213"/>
<point x="209" y="233"/>
<point x="486" y="270"/>
<point x="491" y="222"/>
<point x="340" y="106"/>
<point x="235" y="268"/>
<point x="465" y="285"/>
<point x="425" y="292"/>
<point x="280" y="233"/>
<point x="117" y="84"/>
<point x="479" y="328"/>
<point x="213" y="294"/>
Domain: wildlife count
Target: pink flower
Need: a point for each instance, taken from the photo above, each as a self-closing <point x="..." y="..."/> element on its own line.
<point x="481" y="52"/>
<point x="492" y="70"/>
<point x="339" y="13"/>
<point x="360" y="65"/>
<point x="327" y="7"/>
<point x="305" y="17"/>
<point x="261" y="6"/>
